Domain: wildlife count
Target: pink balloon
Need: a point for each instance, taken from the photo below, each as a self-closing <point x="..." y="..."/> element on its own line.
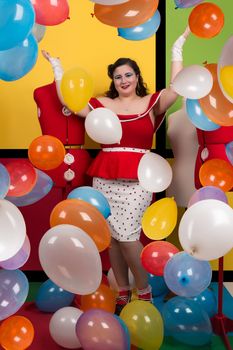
<point x="208" y="192"/>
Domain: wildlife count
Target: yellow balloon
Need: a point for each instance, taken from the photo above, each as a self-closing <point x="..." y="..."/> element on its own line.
<point x="160" y="218"/>
<point x="76" y="88"/>
<point x="226" y="78"/>
<point x="144" y="323"/>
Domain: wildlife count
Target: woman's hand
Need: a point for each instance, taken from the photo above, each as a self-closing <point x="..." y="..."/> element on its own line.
<point x="46" y="55"/>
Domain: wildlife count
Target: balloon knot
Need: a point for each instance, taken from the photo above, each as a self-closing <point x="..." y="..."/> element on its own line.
<point x="92" y="15"/>
<point x="68" y="17"/>
<point x="205" y="62"/>
<point x="176" y="7"/>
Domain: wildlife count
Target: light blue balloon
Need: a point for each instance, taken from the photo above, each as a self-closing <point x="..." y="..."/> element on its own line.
<point x="17" y="18"/>
<point x="187" y="276"/>
<point x="229" y="151"/>
<point x="4" y="181"/>
<point x="43" y="186"/>
<point x="207" y="301"/>
<point x="14" y="289"/>
<point x="142" y="31"/>
<point x="51" y="297"/>
<point x="92" y="196"/>
<point x="185" y="321"/>
<point x="198" y="117"/>
<point x="18" y="61"/>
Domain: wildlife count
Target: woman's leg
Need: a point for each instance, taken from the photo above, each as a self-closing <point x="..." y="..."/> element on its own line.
<point x="119" y="265"/>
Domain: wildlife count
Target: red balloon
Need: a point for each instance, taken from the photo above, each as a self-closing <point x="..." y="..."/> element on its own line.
<point x="155" y="255"/>
<point x="50" y="12"/>
<point x="23" y="177"/>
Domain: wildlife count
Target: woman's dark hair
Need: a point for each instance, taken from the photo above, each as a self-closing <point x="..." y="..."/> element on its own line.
<point x="141" y="89"/>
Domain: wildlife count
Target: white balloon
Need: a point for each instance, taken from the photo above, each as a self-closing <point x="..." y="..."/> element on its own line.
<point x="62" y="327"/>
<point x="154" y="172"/>
<point x="193" y="82"/>
<point x="38" y="31"/>
<point x="71" y="259"/>
<point x="12" y="230"/>
<point x="109" y="2"/>
<point x="103" y="126"/>
<point x="226" y="59"/>
<point x="205" y="229"/>
<point x="113" y="283"/>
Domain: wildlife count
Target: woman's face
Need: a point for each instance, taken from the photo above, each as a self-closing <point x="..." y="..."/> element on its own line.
<point x="125" y="80"/>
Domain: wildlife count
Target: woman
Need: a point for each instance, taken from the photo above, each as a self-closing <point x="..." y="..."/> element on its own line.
<point x="114" y="170"/>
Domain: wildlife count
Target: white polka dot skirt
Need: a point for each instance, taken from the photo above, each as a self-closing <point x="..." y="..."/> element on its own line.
<point x="128" y="201"/>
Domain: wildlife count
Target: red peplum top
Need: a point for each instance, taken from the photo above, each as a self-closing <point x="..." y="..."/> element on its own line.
<point x="212" y="145"/>
<point x="137" y="133"/>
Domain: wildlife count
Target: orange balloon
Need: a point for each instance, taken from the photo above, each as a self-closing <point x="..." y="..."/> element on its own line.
<point x="46" y="152"/>
<point x="128" y="14"/>
<point x="103" y="298"/>
<point x="16" y="333"/>
<point x="218" y="173"/>
<point x="215" y="105"/>
<point x="22" y="177"/>
<point x="206" y="20"/>
<point x="84" y="215"/>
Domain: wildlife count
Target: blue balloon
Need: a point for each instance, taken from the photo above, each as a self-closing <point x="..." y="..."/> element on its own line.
<point x="187" y="276"/>
<point x="18" y="61"/>
<point x="92" y="196"/>
<point x="158" y="285"/>
<point x="207" y="301"/>
<point x="198" y="117"/>
<point x="4" y="181"/>
<point x="43" y="185"/>
<point x="17" y="18"/>
<point x="51" y="297"/>
<point x="185" y="321"/>
<point x="14" y="289"/>
<point x="142" y="31"/>
<point x="229" y="151"/>
<point x="126" y="331"/>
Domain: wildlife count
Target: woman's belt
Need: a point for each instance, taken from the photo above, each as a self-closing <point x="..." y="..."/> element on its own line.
<point x="125" y="149"/>
<point x="73" y="146"/>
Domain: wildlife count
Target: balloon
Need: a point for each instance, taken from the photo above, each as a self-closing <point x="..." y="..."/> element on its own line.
<point x="76" y="88"/>
<point x="215" y="105"/>
<point x="209" y="226"/>
<point x="186" y="322"/>
<point x="19" y="259"/>
<point x="229" y="151"/>
<point x="4" y="181"/>
<point x="109" y="2"/>
<point x="155" y="255"/>
<point x="16" y="333"/>
<point x="103" y="126"/>
<point x="51" y="297"/>
<point x="113" y="283"/>
<point x="43" y="185"/>
<point x="198" y="118"/>
<point x="98" y="330"/>
<point x="12" y="230"/>
<point x="208" y="192"/>
<point x="26" y="52"/>
<point x="187" y="276"/>
<point x="128" y="14"/>
<point x="154" y="172"/>
<point x="142" y="31"/>
<point x="193" y="82"/>
<point x="16" y="21"/>
<point x="159" y="219"/>
<point x="50" y="12"/>
<point x="224" y="69"/>
<point x="125" y="329"/>
<point x="142" y="318"/>
<point x="38" y="31"/>
<point x="22" y="177"/>
<point x="92" y="196"/>
<point x="62" y="327"/>
<point x="218" y="173"/>
<point x="70" y="259"/>
<point x="14" y="289"/>
<point x="46" y="152"/>
<point x="207" y="301"/>
<point x="103" y="298"/>
<point x="186" y="3"/>
<point x="158" y="285"/>
<point x="84" y="215"/>
<point x="206" y="20"/>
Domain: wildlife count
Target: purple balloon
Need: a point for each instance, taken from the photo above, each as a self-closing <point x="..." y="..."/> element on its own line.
<point x="97" y="330"/>
<point x="14" y="289"/>
<point x="187" y="3"/>
<point x="229" y="151"/>
<point x="19" y="259"/>
<point x="208" y="192"/>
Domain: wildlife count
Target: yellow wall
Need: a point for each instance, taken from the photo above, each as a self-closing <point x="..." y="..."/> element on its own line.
<point x="81" y="41"/>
